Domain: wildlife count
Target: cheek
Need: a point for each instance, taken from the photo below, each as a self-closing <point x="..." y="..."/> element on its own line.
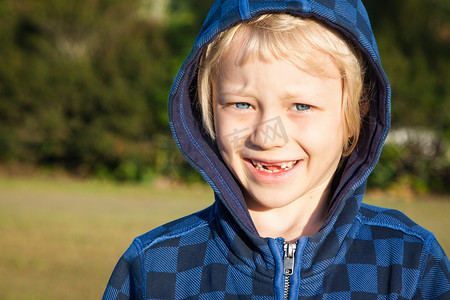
<point x="222" y="124"/>
<point x="228" y="136"/>
<point x="231" y="130"/>
<point x="319" y="133"/>
<point x="222" y="139"/>
<point x="225" y="149"/>
<point x="218" y="126"/>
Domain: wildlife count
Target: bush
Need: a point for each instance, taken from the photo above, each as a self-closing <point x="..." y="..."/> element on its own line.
<point x="84" y="85"/>
<point x="415" y="160"/>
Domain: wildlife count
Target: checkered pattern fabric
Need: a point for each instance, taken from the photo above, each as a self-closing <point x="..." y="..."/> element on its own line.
<point x="362" y="251"/>
<point x="384" y="255"/>
<point x="197" y="257"/>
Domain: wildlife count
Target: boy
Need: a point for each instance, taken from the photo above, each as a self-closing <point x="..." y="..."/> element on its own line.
<point x="283" y="107"/>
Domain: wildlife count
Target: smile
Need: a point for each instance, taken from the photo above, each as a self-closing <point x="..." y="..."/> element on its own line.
<point x="274" y="167"/>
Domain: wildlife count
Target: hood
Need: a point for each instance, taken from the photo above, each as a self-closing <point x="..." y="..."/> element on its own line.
<point x="347" y="16"/>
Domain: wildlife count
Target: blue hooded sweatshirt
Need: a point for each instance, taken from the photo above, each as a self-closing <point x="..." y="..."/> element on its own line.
<point x="360" y="252"/>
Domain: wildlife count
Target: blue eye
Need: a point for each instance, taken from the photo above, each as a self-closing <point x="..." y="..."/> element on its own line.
<point x="301" y="107"/>
<point x="242" y="105"/>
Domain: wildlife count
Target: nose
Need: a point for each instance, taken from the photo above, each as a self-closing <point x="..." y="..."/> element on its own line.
<point x="270" y="133"/>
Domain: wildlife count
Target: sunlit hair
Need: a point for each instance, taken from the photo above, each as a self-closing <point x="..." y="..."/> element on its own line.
<point x="295" y="39"/>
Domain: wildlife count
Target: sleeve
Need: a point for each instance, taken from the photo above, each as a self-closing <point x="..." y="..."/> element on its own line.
<point x="435" y="282"/>
<point x="125" y="282"/>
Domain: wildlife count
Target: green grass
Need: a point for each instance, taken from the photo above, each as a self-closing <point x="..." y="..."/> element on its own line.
<point x="60" y="239"/>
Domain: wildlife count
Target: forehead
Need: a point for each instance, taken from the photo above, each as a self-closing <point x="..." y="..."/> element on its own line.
<point x="247" y="45"/>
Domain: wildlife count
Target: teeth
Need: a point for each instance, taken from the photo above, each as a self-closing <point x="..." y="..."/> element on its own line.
<point x="267" y="167"/>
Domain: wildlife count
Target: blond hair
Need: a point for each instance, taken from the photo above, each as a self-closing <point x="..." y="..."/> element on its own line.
<point x="283" y="36"/>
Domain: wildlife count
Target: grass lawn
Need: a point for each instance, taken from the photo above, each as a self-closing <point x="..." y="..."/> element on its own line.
<point x="61" y="239"/>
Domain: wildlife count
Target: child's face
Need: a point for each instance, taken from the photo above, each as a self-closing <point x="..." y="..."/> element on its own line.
<point x="279" y="129"/>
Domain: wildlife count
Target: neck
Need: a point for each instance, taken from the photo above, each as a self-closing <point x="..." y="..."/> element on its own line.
<point x="302" y="217"/>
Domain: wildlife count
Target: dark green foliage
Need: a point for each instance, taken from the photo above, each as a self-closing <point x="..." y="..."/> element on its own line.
<point x="414" y="42"/>
<point x="408" y="166"/>
<point x="84" y="85"/>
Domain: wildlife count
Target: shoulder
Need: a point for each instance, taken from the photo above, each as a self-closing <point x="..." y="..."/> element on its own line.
<point x="396" y="241"/>
<point x="391" y="223"/>
<point x="156" y="250"/>
<point x="396" y="247"/>
<point x="393" y="239"/>
<point x="401" y="242"/>
<point x="193" y="226"/>
<point x="403" y="257"/>
<point x="160" y="248"/>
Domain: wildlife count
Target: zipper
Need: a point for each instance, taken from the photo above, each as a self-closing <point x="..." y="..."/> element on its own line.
<point x="288" y="266"/>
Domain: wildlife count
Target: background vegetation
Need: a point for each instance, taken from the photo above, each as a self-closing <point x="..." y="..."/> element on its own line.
<point x="84" y="85"/>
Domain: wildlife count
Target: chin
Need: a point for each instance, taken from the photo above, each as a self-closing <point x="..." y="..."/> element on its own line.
<point x="263" y="199"/>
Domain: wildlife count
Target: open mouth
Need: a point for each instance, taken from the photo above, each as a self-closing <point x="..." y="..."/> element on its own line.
<point x="274" y="167"/>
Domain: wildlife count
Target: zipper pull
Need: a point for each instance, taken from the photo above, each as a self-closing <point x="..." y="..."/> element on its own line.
<point x="289" y="258"/>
